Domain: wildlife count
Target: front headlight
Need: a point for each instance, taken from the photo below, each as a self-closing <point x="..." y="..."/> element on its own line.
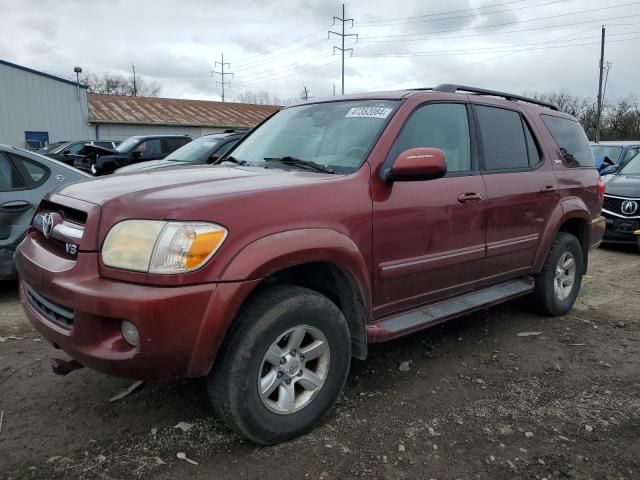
<point x="161" y="247"/>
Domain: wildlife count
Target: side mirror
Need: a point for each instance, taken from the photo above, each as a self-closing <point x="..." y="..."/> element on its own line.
<point x="610" y="169"/>
<point x="418" y="164"/>
<point x="213" y="158"/>
<point x="66" y="152"/>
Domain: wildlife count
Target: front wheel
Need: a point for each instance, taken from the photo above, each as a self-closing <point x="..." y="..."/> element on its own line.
<point x="283" y="365"/>
<point x="558" y="284"/>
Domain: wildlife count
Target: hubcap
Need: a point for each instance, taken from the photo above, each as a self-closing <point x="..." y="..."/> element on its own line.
<point x="565" y="276"/>
<point x="293" y="370"/>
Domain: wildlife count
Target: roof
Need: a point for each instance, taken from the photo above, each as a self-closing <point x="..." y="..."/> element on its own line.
<point x="42" y="74"/>
<point x="175" y="112"/>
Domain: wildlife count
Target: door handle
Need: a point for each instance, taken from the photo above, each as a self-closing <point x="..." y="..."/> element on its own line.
<point x="548" y="189"/>
<point x="15" y="206"/>
<point x="469" y="197"/>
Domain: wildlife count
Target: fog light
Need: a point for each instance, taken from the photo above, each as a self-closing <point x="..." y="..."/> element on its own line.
<point x="130" y="333"/>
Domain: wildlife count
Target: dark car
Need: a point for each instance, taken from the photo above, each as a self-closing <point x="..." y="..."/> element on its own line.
<point x="69" y="151"/>
<point x="49" y="147"/>
<point x="204" y="150"/>
<point x="332" y="225"/>
<point x="25" y="177"/>
<point x="621" y="205"/>
<point x="612" y="155"/>
<point x="132" y="150"/>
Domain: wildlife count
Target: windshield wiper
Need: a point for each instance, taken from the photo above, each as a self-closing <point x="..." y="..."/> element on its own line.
<point x="298" y="162"/>
<point x="233" y="160"/>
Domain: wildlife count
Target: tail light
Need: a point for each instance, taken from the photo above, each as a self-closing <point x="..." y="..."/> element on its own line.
<point x="601" y="189"/>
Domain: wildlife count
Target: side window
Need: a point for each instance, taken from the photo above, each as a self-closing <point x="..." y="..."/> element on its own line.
<point x="10" y="179"/>
<point x="105" y="144"/>
<point x="571" y="140"/>
<point x="74" y="149"/>
<point x="33" y="173"/>
<point x="503" y="138"/>
<point x="225" y="147"/>
<point x="150" y="147"/>
<point x="630" y="153"/>
<point x="532" y="147"/>
<point x="174" y="144"/>
<point x="440" y="125"/>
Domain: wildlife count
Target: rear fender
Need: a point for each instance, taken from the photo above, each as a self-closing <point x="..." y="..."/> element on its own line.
<point x="567" y="209"/>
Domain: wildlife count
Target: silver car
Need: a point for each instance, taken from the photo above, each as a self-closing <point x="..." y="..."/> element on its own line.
<point x="25" y="177"/>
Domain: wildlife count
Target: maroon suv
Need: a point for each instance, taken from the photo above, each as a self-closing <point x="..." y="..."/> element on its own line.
<point x="332" y="225"/>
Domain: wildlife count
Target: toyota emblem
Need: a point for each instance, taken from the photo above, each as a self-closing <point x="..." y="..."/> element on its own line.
<point x="47" y="225"/>
<point x="629" y="207"/>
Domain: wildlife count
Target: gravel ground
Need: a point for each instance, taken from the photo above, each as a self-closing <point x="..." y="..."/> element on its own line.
<point x="476" y="400"/>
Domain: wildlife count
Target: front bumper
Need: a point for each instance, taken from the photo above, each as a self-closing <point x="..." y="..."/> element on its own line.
<point x="81" y="313"/>
<point x="620" y="230"/>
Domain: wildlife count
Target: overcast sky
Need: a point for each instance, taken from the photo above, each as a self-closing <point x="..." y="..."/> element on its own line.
<point x="277" y="46"/>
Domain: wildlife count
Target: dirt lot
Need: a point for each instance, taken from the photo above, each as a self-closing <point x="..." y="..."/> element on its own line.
<point x="479" y="401"/>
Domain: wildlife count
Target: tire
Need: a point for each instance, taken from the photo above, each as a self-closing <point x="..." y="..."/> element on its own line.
<point x="546" y="298"/>
<point x="233" y="383"/>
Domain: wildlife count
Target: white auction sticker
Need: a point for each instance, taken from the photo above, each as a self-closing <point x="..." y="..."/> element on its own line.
<point x="368" y="112"/>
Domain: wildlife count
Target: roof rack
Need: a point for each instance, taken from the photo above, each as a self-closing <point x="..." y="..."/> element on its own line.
<point x="452" y="88"/>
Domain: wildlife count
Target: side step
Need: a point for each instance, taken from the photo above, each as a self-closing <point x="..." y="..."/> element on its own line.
<point x="407" y="322"/>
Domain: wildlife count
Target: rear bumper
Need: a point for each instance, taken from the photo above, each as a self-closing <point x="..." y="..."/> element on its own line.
<point x="180" y="327"/>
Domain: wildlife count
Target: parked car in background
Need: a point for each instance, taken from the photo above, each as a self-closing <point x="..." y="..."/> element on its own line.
<point x="25" y="178"/>
<point x="69" y="151"/>
<point x="610" y="156"/>
<point x="621" y="205"/>
<point x="332" y="225"/>
<point x="133" y="150"/>
<point x="204" y="150"/>
<point x="51" y="146"/>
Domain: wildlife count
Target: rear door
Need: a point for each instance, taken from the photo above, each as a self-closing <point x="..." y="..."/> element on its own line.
<point x="428" y="236"/>
<point x="23" y="182"/>
<point x="522" y="191"/>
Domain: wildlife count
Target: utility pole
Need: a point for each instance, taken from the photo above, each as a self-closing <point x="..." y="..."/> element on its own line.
<point x="600" y="87"/>
<point x="343" y="20"/>
<point x="135" y="85"/>
<point x="222" y="73"/>
<point x="305" y="94"/>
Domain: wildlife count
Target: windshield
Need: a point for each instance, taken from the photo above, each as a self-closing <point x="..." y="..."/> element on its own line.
<point x="606" y="151"/>
<point x="59" y="148"/>
<point x="632" y="167"/>
<point x="336" y="135"/>
<point x="195" y="151"/>
<point x="127" y="145"/>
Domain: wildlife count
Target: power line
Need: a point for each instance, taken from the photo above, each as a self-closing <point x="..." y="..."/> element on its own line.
<point x="475" y="14"/>
<point x="505" y="32"/>
<point x="504" y="23"/>
<point x="342" y="36"/>
<point x="332" y="59"/>
<point x="222" y="73"/>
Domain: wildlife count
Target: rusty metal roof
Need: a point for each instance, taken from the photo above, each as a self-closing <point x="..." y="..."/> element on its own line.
<point x="175" y="112"/>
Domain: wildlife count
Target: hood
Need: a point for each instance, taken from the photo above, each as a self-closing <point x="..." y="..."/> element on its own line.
<point x="150" y="165"/>
<point x="94" y="150"/>
<point x="168" y="190"/>
<point x="623" y="185"/>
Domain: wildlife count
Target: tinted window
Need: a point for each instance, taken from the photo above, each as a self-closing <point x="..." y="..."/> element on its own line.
<point x="532" y="147"/>
<point x="571" y="140"/>
<point x="75" y="148"/>
<point x="150" y="148"/>
<point x="175" y="143"/>
<point x="503" y="140"/>
<point x="104" y="144"/>
<point x="440" y="125"/>
<point x="35" y="172"/>
<point x="9" y="177"/>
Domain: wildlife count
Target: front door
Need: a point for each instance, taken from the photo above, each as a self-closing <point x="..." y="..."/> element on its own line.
<point x="429" y="236"/>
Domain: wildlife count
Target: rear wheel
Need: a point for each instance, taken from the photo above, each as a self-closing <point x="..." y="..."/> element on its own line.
<point x="558" y="284"/>
<point x="283" y="365"/>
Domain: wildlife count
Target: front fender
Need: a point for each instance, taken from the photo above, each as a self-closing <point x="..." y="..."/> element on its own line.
<point x="282" y="250"/>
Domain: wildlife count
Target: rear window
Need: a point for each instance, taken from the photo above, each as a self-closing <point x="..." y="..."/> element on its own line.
<point x="571" y="140"/>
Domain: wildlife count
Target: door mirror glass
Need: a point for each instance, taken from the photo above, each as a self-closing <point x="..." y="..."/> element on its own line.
<point x="418" y="164"/>
<point x="213" y="158"/>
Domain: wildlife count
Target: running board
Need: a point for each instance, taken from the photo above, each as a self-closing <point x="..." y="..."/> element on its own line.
<point x="404" y="323"/>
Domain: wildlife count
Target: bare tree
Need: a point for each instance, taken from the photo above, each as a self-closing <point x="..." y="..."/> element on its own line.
<point x="263" y="98"/>
<point x="118" y="84"/>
